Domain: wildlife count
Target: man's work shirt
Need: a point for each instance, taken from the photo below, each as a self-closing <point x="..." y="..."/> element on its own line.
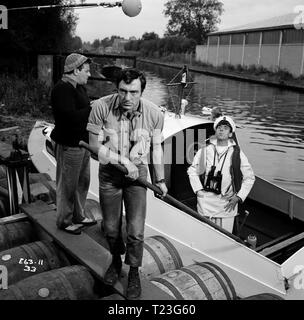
<point x="127" y="135"/>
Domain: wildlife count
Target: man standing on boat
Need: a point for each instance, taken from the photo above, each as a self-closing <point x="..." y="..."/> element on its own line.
<point x="71" y="108"/>
<point x="221" y="175"/>
<point x="122" y="127"/>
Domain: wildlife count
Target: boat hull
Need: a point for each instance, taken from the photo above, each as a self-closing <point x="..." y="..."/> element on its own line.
<point x="194" y="239"/>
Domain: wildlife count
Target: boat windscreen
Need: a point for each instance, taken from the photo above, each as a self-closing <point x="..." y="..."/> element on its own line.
<point x="179" y="151"/>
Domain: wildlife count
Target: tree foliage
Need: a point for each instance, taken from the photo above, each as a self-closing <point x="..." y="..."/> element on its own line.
<point x="192" y="18"/>
<point x="150" y="36"/>
<point x="161" y="47"/>
<point x="33" y="30"/>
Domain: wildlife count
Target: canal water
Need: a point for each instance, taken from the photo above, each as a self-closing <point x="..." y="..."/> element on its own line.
<point x="270" y="121"/>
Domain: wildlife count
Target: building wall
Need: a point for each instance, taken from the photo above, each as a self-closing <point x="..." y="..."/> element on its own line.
<point x="251" y="55"/>
<point x="236" y="54"/>
<point x="201" y="53"/>
<point x="269" y="56"/>
<point x="291" y="58"/>
<point x="212" y="53"/>
<point x="223" y="55"/>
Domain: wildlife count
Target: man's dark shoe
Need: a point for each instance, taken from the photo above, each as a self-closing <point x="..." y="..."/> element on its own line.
<point x="112" y="274"/>
<point x="134" y="287"/>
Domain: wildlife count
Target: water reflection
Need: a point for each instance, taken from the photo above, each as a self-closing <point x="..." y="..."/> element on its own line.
<point x="270" y="121"/>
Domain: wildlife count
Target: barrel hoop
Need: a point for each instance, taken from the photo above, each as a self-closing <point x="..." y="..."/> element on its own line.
<point x="218" y="278"/>
<point x="200" y="282"/>
<point x="48" y="249"/>
<point x="171" y="249"/>
<point x="66" y="283"/>
<point x="27" y="248"/>
<point x="156" y="258"/>
<point x="231" y="286"/>
<point x="170" y="286"/>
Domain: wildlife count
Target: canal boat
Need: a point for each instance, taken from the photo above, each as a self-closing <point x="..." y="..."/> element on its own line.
<point x="271" y="215"/>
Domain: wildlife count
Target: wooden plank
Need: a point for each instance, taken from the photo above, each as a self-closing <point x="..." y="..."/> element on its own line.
<point x="86" y="250"/>
<point x="282" y="245"/>
<point x="14" y="218"/>
<point x="274" y="241"/>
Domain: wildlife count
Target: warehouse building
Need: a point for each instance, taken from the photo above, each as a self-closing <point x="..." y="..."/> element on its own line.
<point x="276" y="43"/>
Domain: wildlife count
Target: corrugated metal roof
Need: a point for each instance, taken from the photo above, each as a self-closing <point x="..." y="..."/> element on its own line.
<point x="286" y="21"/>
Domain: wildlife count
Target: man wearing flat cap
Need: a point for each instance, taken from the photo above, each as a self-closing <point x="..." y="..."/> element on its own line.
<point x="71" y="108"/>
<point x="221" y="175"/>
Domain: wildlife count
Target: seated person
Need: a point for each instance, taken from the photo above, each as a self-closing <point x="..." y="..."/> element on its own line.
<point x="221" y="175"/>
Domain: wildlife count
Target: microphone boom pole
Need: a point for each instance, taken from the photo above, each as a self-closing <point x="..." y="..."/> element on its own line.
<point x="130" y="7"/>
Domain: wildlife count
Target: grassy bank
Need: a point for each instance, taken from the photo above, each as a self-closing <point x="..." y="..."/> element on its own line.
<point x="22" y="102"/>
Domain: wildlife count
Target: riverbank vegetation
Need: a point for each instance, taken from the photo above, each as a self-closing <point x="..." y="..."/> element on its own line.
<point x="23" y="100"/>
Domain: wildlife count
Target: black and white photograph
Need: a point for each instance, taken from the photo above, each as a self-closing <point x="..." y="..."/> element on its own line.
<point x="152" y="154"/>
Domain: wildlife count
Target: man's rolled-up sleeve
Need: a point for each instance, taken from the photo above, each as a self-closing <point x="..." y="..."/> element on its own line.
<point x="96" y="117"/>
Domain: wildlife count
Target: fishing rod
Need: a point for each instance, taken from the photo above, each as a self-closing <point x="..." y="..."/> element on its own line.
<point x="130" y="8"/>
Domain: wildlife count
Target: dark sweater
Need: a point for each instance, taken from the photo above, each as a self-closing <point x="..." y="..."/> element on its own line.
<point x="71" y="109"/>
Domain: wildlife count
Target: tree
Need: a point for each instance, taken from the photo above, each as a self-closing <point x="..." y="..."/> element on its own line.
<point x="96" y="43"/>
<point x="150" y="36"/>
<point x="192" y="18"/>
<point x="75" y="44"/>
<point x="34" y="30"/>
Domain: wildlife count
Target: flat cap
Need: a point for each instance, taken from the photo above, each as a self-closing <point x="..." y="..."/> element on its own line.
<point x="73" y="61"/>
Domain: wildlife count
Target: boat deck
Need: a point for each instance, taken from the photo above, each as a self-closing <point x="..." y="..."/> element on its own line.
<point x="88" y="248"/>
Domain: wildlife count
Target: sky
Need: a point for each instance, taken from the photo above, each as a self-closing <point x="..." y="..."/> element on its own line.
<point x="99" y="22"/>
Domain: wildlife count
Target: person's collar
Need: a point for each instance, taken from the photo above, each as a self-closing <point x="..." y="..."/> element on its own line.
<point x="213" y="140"/>
<point x="68" y="79"/>
<point x="132" y="114"/>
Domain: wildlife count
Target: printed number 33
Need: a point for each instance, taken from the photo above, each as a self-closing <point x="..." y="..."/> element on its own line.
<point x="29" y="268"/>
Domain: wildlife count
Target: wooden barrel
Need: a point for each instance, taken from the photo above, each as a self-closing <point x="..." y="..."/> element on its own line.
<point x="264" y="296"/>
<point x="200" y="281"/>
<point x="32" y="258"/>
<point x="92" y="209"/>
<point x="2" y="172"/>
<point x="159" y="256"/>
<point x="68" y="283"/>
<point x="15" y="234"/>
<point x="4" y="206"/>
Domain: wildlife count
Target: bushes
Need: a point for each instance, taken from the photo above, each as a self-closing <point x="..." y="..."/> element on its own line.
<point x="25" y="96"/>
<point x="163" y="47"/>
